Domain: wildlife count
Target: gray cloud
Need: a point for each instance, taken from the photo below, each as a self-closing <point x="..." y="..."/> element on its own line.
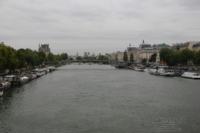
<point x="94" y="25"/>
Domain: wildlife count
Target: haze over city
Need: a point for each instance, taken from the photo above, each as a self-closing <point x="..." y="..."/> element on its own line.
<point x="97" y="25"/>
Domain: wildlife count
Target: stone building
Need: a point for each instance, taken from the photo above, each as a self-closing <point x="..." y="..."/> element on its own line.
<point x="117" y="56"/>
<point x="192" y="45"/>
<point x="44" y="48"/>
<point x="143" y="52"/>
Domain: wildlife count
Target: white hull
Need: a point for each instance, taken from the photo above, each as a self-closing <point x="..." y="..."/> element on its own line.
<point x="33" y="76"/>
<point x="1" y="93"/>
<point x="191" y="75"/>
<point x="39" y="74"/>
<point x="24" y="79"/>
<point x="161" y="72"/>
<point x="139" y="69"/>
<point x="153" y="72"/>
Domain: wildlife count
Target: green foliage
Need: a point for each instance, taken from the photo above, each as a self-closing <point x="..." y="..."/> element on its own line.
<point x="179" y="57"/>
<point x="197" y="58"/>
<point x="116" y="58"/>
<point x="64" y="56"/>
<point x="8" y="57"/>
<point x="186" y="55"/>
<point x="102" y="57"/>
<point x="79" y="58"/>
<point x="131" y="58"/>
<point x="125" y="57"/>
<point x="25" y="58"/>
<point x="144" y="61"/>
<point x="153" y="58"/>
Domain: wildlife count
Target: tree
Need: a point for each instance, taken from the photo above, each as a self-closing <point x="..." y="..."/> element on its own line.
<point x="186" y="55"/>
<point x="197" y="58"/>
<point x="144" y="61"/>
<point x="125" y="57"/>
<point x="131" y="57"/>
<point x="79" y="58"/>
<point x="153" y="57"/>
<point x="42" y="57"/>
<point x="64" y="56"/>
<point x="116" y="57"/>
<point x="25" y="58"/>
<point x="167" y="55"/>
<point x="102" y="57"/>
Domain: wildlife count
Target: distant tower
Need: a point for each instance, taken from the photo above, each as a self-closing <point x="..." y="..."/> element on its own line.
<point x="44" y="48"/>
<point x="143" y="42"/>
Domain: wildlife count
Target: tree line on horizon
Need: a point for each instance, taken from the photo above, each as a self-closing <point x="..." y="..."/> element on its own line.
<point x="11" y="59"/>
<point x="174" y="57"/>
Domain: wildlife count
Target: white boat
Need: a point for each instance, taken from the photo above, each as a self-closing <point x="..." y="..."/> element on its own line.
<point x="24" y="79"/>
<point x="1" y="90"/>
<point x="10" y="78"/>
<point x="51" y="68"/>
<point x="39" y="72"/>
<point x="4" y="85"/>
<point x="164" y="72"/>
<point x="139" y="69"/>
<point x="153" y="72"/>
<point x="33" y="76"/>
<point x="191" y="75"/>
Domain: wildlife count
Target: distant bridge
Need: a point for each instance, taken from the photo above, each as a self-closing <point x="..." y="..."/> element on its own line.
<point x="91" y="61"/>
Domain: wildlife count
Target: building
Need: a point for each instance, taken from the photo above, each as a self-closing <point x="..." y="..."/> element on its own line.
<point x="44" y="48"/>
<point x="117" y="56"/>
<point x="141" y="53"/>
<point x="192" y="45"/>
<point x="145" y="45"/>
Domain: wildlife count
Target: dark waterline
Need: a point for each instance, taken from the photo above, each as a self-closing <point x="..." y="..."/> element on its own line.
<point x="101" y="99"/>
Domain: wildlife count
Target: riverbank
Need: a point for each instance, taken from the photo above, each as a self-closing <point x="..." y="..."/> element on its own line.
<point x="192" y="72"/>
<point x="12" y="80"/>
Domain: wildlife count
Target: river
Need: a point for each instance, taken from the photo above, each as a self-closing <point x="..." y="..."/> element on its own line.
<point x="101" y="99"/>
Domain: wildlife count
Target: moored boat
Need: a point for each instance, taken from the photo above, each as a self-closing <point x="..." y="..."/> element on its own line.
<point x="166" y="72"/>
<point x="1" y="90"/>
<point x="4" y="85"/>
<point x="139" y="69"/>
<point x="51" y="68"/>
<point x="13" y="79"/>
<point x="24" y="79"/>
<point x="136" y="68"/>
<point x="191" y="75"/>
<point x="153" y="71"/>
<point x="39" y="72"/>
<point x="33" y="76"/>
<point x="121" y="65"/>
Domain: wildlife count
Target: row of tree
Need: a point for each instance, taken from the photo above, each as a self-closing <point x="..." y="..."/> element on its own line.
<point x="126" y="59"/>
<point x="174" y="57"/>
<point x="11" y="58"/>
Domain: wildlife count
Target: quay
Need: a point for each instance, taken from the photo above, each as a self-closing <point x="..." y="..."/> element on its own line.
<point x="161" y="70"/>
<point x="10" y="81"/>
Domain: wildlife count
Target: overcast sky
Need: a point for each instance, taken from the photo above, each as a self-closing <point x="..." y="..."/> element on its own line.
<point x="97" y="25"/>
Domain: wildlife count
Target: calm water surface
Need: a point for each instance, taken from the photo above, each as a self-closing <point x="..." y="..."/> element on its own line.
<point x="101" y="99"/>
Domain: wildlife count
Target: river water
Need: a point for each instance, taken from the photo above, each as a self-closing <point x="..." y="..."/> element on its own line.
<point x="101" y="99"/>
